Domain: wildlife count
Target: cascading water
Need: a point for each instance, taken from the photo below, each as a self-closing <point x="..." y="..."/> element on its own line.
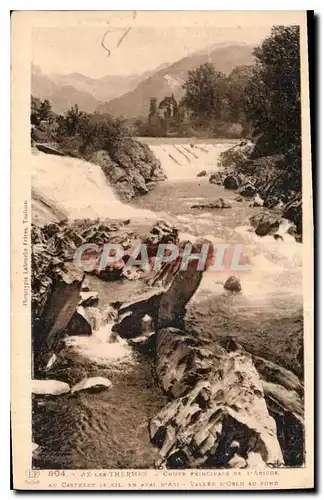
<point x="273" y="281"/>
<point x="185" y="160"/>
<point x="68" y="187"/>
<point x="102" y="431"/>
<point x="71" y="188"/>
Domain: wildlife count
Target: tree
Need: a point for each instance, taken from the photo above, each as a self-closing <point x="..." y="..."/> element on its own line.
<point x="273" y="93"/>
<point x="81" y="133"/>
<point x="154" y="125"/>
<point x="34" y="111"/>
<point x="45" y="111"/>
<point x="153" y="108"/>
<point x="238" y="80"/>
<point x="71" y="122"/>
<point x="205" y="92"/>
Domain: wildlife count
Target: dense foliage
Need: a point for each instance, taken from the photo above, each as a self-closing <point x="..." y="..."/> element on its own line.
<point x="80" y="134"/>
<point x="41" y="111"/>
<point x="212" y="106"/>
<point x="273" y="92"/>
<point x="261" y="100"/>
<point x="273" y="99"/>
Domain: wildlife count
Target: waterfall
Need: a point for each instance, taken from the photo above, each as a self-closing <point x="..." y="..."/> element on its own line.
<point x="65" y="187"/>
<point x="186" y="159"/>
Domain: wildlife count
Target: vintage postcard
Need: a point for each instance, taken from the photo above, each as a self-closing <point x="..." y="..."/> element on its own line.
<point x="162" y="251"/>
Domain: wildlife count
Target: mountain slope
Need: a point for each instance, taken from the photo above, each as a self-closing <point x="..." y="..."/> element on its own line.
<point x="62" y="97"/>
<point x="105" y="88"/>
<point x="169" y="80"/>
<point x="67" y="96"/>
<point x="63" y="91"/>
<point x="41" y="85"/>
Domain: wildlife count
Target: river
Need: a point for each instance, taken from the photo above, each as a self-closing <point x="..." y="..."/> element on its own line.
<point x="111" y="430"/>
<point x="272" y="283"/>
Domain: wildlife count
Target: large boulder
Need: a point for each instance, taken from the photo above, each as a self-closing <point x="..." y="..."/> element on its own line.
<point x="131" y="316"/>
<point x="294" y="212"/>
<point x="216" y="401"/>
<point x="237" y="462"/>
<point x="130" y="166"/>
<point x="172" y="304"/>
<point x="233" y="284"/>
<point x="218" y="203"/>
<point x="79" y="324"/>
<point x="203" y="173"/>
<point x="92" y="384"/>
<point x="247" y="190"/>
<point x="62" y="301"/>
<point x="138" y="182"/>
<point x="231" y="182"/>
<point x="49" y="387"/>
<point x="217" y="178"/>
<point x="237" y="155"/>
<point x="265" y="224"/>
<point x="165" y="302"/>
<point x="129" y="325"/>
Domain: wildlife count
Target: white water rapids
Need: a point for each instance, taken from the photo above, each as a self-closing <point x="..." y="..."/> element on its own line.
<point x="68" y="187"/>
<point x="186" y="160"/>
<point x="274" y="276"/>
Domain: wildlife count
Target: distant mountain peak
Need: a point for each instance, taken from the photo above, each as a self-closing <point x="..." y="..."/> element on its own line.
<point x="169" y="79"/>
<point x="129" y="95"/>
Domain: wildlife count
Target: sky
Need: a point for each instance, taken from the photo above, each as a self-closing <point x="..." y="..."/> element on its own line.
<point x="78" y="49"/>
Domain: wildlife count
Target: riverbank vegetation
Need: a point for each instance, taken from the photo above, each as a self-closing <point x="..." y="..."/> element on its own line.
<point x="273" y="109"/>
<point x="260" y="102"/>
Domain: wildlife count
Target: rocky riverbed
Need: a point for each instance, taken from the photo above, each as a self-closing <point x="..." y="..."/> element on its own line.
<point x="169" y="368"/>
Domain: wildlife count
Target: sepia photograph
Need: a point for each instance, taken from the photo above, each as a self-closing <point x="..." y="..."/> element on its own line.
<point x="162" y="251"/>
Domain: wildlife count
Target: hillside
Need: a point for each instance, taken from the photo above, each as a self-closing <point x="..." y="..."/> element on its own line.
<point x="169" y="80"/>
<point x="41" y="85"/>
<point x="67" y="96"/>
<point x="63" y="91"/>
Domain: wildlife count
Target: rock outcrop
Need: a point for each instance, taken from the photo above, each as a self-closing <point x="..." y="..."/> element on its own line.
<point x="130" y="167"/>
<point x="57" y="278"/>
<point x="247" y="190"/>
<point x="49" y="387"/>
<point x="267" y="177"/>
<point x="233" y="284"/>
<point x="293" y="211"/>
<point x="218" y="408"/>
<point x="79" y="323"/>
<point x="218" y="203"/>
<point x="231" y="182"/>
<point x="61" y="302"/>
<point x="265" y="223"/>
<point x="237" y="155"/>
<point x="217" y="178"/>
<point x="92" y="384"/>
<point x="163" y="304"/>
